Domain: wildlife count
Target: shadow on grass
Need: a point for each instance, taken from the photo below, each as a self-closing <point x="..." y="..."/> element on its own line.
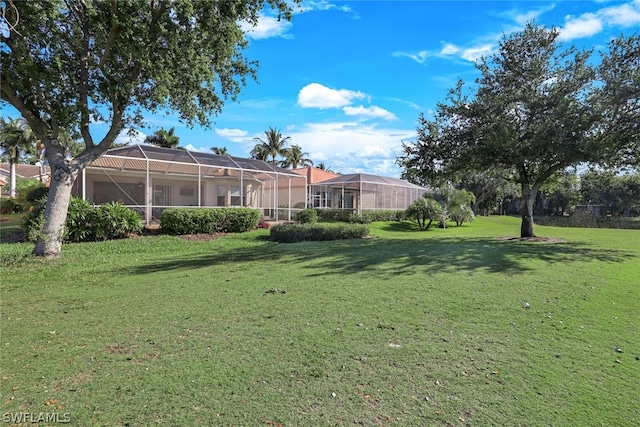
<point x="396" y="256"/>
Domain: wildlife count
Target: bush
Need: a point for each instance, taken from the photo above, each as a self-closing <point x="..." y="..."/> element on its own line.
<point x="85" y="222"/>
<point x="116" y="221"/>
<point x="307" y="216"/>
<point x="334" y="215"/>
<point x="35" y="194"/>
<point x="9" y="206"/>
<point x="367" y="217"/>
<point x="177" y="221"/>
<point x="293" y="233"/>
<point x="425" y="211"/>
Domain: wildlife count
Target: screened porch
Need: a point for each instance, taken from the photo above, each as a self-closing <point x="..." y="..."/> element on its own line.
<point x="151" y="179"/>
<point x="362" y="192"/>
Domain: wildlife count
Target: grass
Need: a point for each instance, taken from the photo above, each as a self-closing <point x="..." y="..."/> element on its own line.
<point x="404" y="328"/>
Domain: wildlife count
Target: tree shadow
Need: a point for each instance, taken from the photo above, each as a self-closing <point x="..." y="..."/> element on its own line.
<point x="398" y="256"/>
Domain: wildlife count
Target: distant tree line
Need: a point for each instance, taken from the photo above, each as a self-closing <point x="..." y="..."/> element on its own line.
<point x="600" y="191"/>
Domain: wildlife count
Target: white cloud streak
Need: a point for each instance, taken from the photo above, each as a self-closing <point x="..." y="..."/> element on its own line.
<point x="369" y="112"/>
<point x="267" y="27"/>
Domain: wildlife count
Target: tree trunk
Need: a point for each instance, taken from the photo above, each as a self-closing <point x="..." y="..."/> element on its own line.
<point x="49" y="243"/>
<point x="528" y="200"/>
<point x="12" y="180"/>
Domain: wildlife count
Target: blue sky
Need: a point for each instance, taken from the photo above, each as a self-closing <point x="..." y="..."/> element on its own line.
<point x="347" y="80"/>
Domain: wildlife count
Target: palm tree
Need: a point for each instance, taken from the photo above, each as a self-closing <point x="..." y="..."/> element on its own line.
<point x="272" y="146"/>
<point x="16" y="139"/>
<point x="324" y="167"/>
<point x="220" y="151"/>
<point x="294" y="157"/>
<point x="163" y="138"/>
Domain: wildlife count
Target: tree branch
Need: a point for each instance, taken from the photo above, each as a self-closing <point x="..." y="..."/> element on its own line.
<point x="35" y="122"/>
<point x="113" y="33"/>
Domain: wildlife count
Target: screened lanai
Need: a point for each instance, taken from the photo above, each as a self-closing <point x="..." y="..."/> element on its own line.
<point x="361" y="192"/>
<point x="150" y="179"/>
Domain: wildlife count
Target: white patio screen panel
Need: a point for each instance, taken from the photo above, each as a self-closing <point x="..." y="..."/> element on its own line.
<point x="152" y="179"/>
<point x="363" y="192"/>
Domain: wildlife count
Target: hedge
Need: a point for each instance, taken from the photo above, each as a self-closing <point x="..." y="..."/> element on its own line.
<point x="177" y="221"/>
<point x="366" y="217"/>
<point x="293" y="233"/>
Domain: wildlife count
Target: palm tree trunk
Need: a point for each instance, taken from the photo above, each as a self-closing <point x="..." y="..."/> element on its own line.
<point x="12" y="180"/>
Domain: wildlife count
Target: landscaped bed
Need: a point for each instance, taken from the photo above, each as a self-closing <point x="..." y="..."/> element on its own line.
<point x="443" y="327"/>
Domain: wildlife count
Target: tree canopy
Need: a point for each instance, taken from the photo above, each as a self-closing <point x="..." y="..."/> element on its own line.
<point x="294" y="157"/>
<point x="272" y="146"/>
<point x="164" y="138"/>
<point x="16" y="140"/>
<point x="537" y="108"/>
<point x="69" y="64"/>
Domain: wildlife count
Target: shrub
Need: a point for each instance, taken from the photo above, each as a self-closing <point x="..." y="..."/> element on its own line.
<point x="33" y="222"/>
<point x="334" y="215"/>
<point x="35" y="194"/>
<point x="367" y="217"/>
<point x="293" y="233"/>
<point x="307" y="216"/>
<point x="425" y="211"/>
<point x="85" y="222"/>
<point x="179" y="221"/>
<point x="461" y="214"/>
<point x="9" y="206"/>
<point x="116" y="221"/>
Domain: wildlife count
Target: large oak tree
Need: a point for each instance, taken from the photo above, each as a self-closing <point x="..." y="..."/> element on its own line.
<point x="67" y="64"/>
<point x="537" y="108"/>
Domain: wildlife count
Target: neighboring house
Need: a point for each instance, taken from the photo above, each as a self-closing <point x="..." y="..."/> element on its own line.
<point x="358" y="191"/>
<point x="40" y="173"/>
<point x="151" y="179"/>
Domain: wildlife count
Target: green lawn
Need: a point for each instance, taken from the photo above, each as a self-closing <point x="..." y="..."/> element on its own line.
<point x="404" y="328"/>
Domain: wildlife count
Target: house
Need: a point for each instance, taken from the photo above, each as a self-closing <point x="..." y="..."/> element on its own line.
<point x="358" y="191"/>
<point x="150" y="179"/>
<point x="40" y="173"/>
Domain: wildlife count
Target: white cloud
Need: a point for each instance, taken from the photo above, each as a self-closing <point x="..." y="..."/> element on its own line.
<point x="130" y="137"/>
<point x="190" y="147"/>
<point x="522" y="18"/>
<point x="471" y="53"/>
<point x="625" y="15"/>
<point x="370" y="112"/>
<point x="320" y="5"/>
<point x="589" y="24"/>
<point x="232" y="134"/>
<point x="350" y="147"/>
<point x="584" y="25"/>
<point x="315" y="95"/>
<point x="267" y="27"/>
<point x="449" y="49"/>
<point x="420" y="57"/>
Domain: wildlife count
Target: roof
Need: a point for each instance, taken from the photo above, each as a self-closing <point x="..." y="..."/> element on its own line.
<point x="315" y="175"/>
<point x="24" y="171"/>
<point x="171" y="160"/>
<point x="357" y="178"/>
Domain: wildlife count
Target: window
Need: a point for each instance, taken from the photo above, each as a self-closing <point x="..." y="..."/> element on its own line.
<point x="222" y="195"/>
<point x="237" y="195"/>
